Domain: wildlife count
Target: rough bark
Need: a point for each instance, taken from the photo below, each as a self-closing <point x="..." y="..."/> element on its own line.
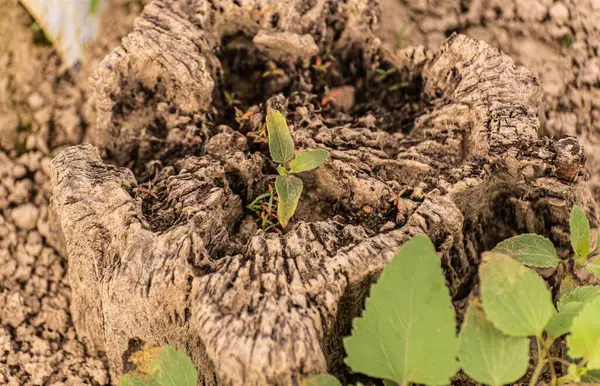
<point x="189" y="268"/>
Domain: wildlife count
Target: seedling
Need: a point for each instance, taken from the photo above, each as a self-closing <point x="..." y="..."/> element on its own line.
<point x="329" y="96"/>
<point x="273" y="71"/>
<point x="283" y="152"/>
<point x="396" y="197"/>
<point x="320" y="66"/>
<point x="259" y="135"/>
<point x="383" y="74"/>
<point x="147" y="190"/>
<point x="265" y="207"/>
<point x="398" y="86"/>
<point x="231" y="99"/>
<point x="241" y="117"/>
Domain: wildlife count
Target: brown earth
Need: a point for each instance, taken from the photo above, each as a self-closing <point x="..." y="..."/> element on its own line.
<point x="43" y="109"/>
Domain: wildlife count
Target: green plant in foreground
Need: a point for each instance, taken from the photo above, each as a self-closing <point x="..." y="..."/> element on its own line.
<point x="160" y="366"/>
<point x="406" y="332"/>
<point x="283" y="152"/>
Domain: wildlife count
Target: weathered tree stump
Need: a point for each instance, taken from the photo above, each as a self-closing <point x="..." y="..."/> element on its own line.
<point x="452" y="152"/>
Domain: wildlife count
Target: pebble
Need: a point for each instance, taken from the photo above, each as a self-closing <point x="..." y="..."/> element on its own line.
<point x="19" y="171"/>
<point x="559" y="13"/>
<point x="35" y="101"/>
<point x="25" y="216"/>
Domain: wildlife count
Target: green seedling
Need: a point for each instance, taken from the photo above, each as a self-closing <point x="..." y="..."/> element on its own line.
<point x="398" y="86"/>
<point x="383" y="74"/>
<point x="259" y="135"/>
<point x="231" y="100"/>
<point x="162" y="366"/>
<point x="320" y="66"/>
<point x="273" y="71"/>
<point x="329" y="96"/>
<point x="265" y="207"/>
<point x="242" y="117"/>
<point x="283" y="152"/>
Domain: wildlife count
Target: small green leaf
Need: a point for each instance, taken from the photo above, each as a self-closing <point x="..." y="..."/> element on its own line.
<point x="281" y="170"/>
<point x="407" y="330"/>
<point x="322" y="380"/>
<point x="560" y="323"/>
<point x="487" y="354"/>
<point x="309" y="160"/>
<point x="584" y="341"/>
<point x="515" y="298"/>
<point x="530" y="249"/>
<point x="580" y="232"/>
<point x="281" y="145"/>
<point x="161" y="366"/>
<point x="582" y="294"/>
<point x="289" y="189"/>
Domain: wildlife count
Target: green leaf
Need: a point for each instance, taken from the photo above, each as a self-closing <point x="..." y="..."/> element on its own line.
<point x="594" y="268"/>
<point x="515" y="298"/>
<point x="161" y="366"/>
<point x="289" y="189"/>
<point x="560" y="323"/>
<point x="530" y="249"/>
<point x="592" y="377"/>
<point x="133" y="379"/>
<point x="584" y="341"/>
<point x="487" y="354"/>
<point x="582" y="294"/>
<point x="281" y="170"/>
<point x="407" y="330"/>
<point x="281" y="145"/>
<point x="569" y="306"/>
<point x="309" y="160"/>
<point x="322" y="380"/>
<point x="580" y="232"/>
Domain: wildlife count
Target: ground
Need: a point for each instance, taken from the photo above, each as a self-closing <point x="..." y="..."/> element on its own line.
<point x="43" y="109"/>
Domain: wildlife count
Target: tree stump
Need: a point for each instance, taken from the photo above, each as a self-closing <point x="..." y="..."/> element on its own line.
<point x="447" y="146"/>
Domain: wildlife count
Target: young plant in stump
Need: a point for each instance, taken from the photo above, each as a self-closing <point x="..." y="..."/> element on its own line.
<point x="283" y="152"/>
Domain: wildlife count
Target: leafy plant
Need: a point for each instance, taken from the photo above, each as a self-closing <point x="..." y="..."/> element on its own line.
<point x="161" y="366"/>
<point x="406" y="333"/>
<point x="283" y="152"/>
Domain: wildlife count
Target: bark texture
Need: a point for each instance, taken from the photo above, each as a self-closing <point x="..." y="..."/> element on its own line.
<point x="188" y="267"/>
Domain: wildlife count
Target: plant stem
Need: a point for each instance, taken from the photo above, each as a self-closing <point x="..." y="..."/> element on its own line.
<point x="562" y="361"/>
<point x="541" y="362"/>
<point x="546" y="346"/>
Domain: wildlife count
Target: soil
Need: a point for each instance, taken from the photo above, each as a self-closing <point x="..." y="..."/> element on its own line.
<point x="43" y="109"/>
